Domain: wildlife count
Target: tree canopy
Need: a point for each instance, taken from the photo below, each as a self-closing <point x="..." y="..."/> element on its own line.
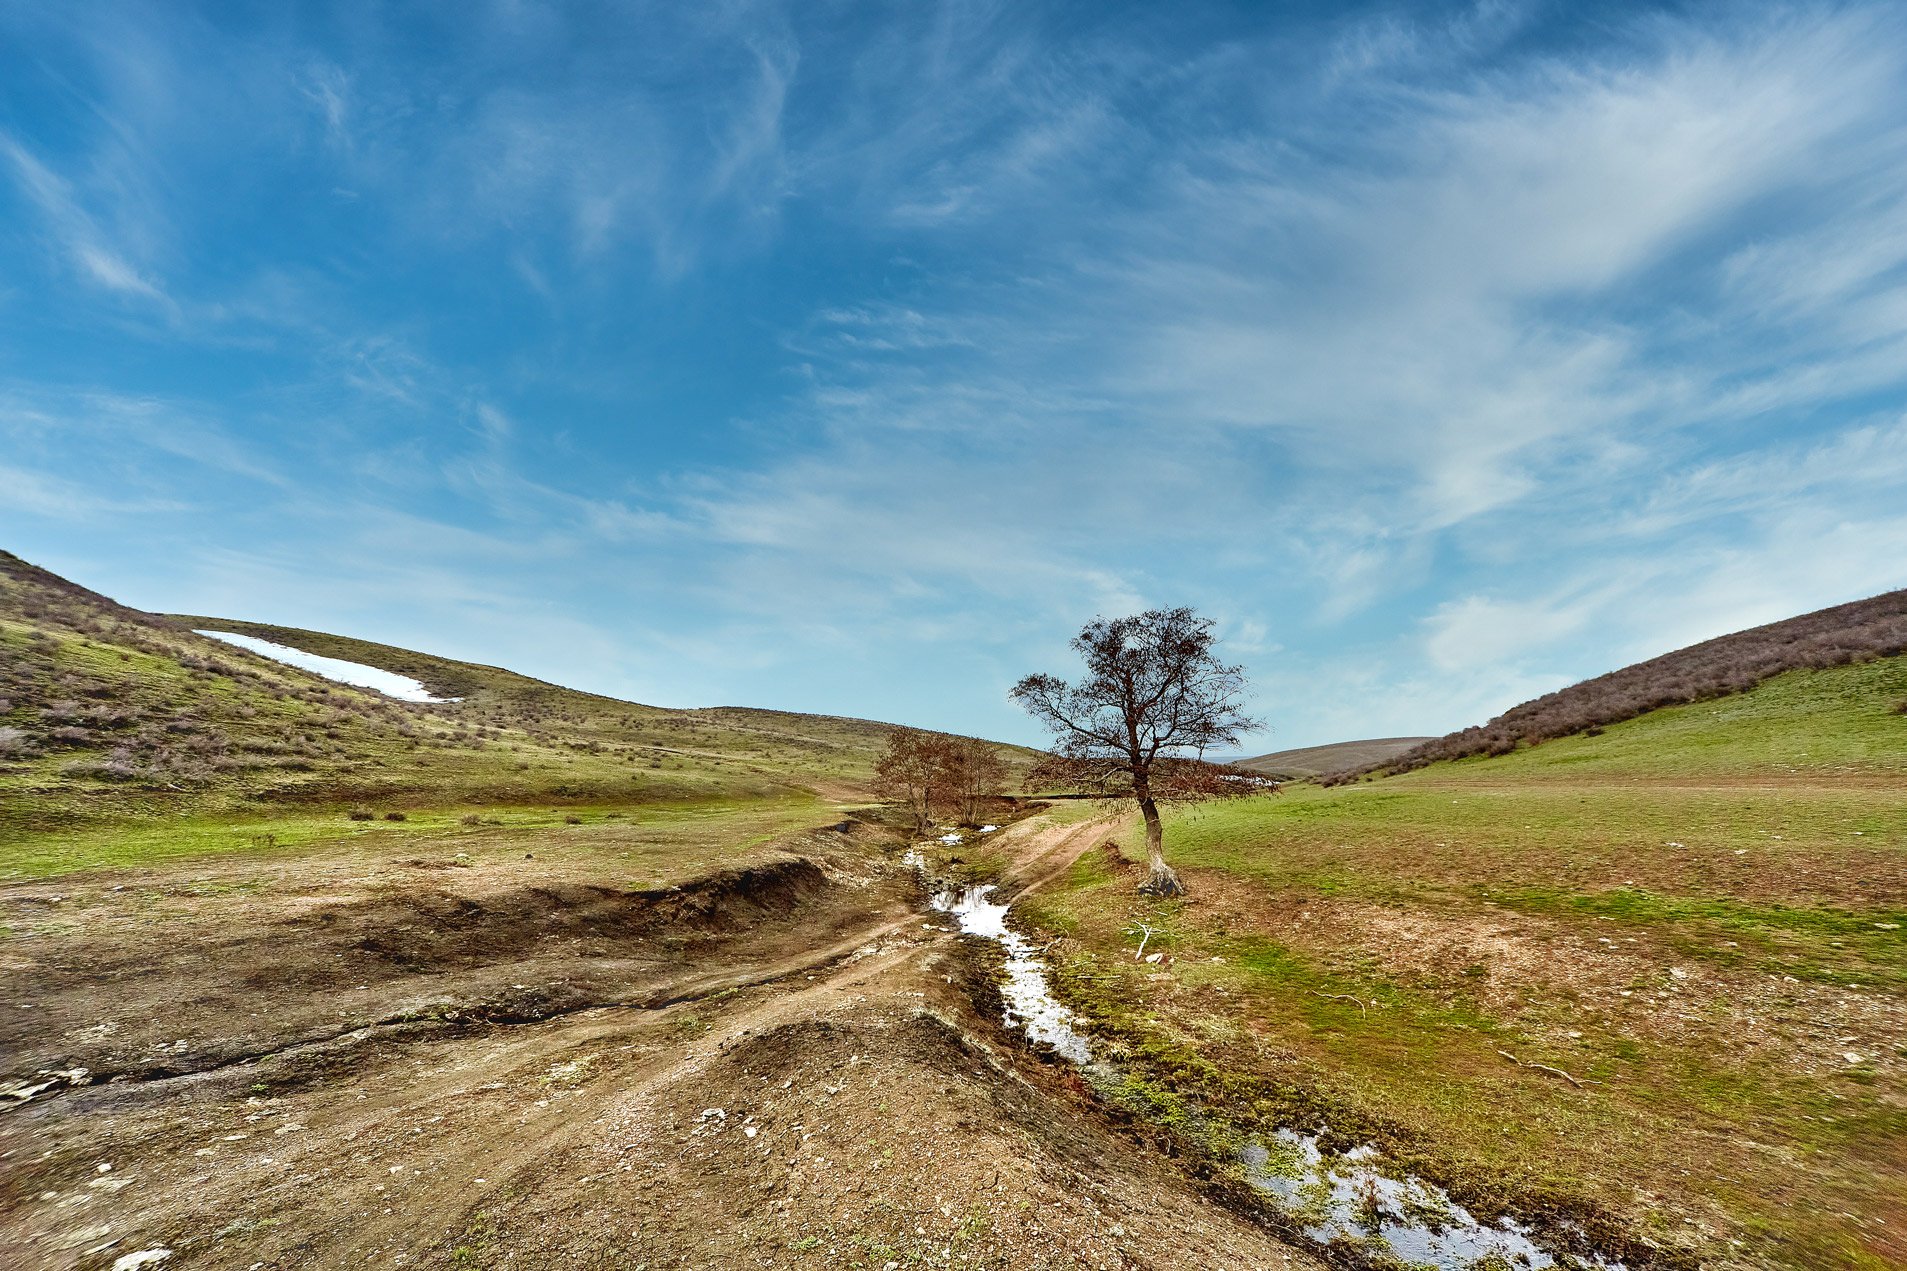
<point x="1155" y="697"/>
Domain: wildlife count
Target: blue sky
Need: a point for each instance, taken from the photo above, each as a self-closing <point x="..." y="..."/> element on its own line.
<point x="847" y="358"/>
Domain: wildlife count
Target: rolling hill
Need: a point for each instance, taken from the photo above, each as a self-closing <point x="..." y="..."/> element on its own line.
<point x="1312" y="761"/>
<point x="112" y="717"/>
<point x="1855" y="632"/>
<point x="1654" y="970"/>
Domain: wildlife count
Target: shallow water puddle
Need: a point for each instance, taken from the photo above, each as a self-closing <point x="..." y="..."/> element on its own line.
<point x="1344" y="1197"/>
<point x="1334" y="1197"/>
<point x="1030" y="1004"/>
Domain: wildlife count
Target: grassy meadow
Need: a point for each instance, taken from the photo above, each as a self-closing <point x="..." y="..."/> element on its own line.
<point x="127" y="739"/>
<point x="1699" y="916"/>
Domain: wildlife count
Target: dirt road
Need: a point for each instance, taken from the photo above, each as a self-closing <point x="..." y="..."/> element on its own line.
<point x="794" y="1074"/>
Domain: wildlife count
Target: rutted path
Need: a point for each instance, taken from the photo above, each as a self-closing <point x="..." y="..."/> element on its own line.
<point x="822" y="1094"/>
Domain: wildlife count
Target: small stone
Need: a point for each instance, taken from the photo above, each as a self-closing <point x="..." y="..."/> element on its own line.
<point x="143" y="1258"/>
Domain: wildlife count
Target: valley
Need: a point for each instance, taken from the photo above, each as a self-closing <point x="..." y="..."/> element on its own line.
<point x="300" y="974"/>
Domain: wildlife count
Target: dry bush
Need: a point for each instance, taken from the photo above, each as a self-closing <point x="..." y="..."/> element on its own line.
<point x="118" y="766"/>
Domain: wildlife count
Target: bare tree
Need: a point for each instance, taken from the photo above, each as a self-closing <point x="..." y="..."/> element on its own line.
<point x="910" y="771"/>
<point x="1154" y="697"/>
<point x="971" y="770"/>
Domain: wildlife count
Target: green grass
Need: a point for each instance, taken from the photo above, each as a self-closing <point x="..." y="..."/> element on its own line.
<point x="737" y="824"/>
<point x="1358" y="957"/>
<point x="1841" y="720"/>
<point x="185" y="746"/>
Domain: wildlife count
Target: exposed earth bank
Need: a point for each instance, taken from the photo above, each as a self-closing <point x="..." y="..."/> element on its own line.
<point x="512" y="1062"/>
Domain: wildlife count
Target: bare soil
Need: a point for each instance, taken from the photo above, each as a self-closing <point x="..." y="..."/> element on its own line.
<point x="415" y="1063"/>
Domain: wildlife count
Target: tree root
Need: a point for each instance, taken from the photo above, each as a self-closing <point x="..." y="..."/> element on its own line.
<point x="1162" y="881"/>
<point x="1554" y="1072"/>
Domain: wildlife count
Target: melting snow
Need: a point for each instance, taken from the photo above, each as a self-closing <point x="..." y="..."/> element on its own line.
<point x="389" y="683"/>
<point x="1030" y="1004"/>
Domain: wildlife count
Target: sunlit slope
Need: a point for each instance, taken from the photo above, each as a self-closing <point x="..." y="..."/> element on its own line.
<point x="779" y="743"/>
<point x="1844" y="720"/>
<point x="114" y="717"/>
<point x="1842" y="635"/>
<point x="1310" y="761"/>
<point x="1699" y="913"/>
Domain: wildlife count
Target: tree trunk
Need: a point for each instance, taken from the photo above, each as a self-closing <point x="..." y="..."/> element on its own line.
<point x="1160" y="878"/>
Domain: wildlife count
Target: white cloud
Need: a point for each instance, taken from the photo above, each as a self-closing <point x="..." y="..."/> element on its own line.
<point x="75" y="229"/>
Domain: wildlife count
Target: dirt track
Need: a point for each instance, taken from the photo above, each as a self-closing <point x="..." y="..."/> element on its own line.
<point x="795" y="1075"/>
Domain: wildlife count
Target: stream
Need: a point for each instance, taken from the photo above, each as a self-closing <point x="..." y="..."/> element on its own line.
<point x="1332" y="1197"/>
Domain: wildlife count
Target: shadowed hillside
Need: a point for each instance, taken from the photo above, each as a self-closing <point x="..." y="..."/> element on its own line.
<point x="1856" y="632"/>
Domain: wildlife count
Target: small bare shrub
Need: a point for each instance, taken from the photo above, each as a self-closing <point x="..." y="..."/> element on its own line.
<point x="361" y="814"/>
<point x="15" y="743"/>
<point x="395" y="816"/>
<point x="119" y="766"/>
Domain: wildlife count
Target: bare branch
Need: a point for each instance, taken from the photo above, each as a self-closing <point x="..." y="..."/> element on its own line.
<point x="1554" y="1072"/>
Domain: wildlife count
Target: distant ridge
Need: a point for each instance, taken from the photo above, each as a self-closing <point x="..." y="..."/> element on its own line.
<point x="1312" y="761"/>
<point x="1855" y="632"/>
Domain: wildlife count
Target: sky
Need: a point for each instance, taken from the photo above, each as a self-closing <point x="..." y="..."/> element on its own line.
<point x="848" y="357"/>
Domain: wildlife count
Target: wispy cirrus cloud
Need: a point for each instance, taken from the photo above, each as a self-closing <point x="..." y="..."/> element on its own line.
<point x="1445" y="352"/>
<point x="92" y="256"/>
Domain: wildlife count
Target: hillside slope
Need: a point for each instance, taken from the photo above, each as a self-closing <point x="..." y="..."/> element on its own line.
<point x="1855" y="632"/>
<point x="1312" y="761"/>
<point x="1699" y="915"/>
<point x="110" y="717"/>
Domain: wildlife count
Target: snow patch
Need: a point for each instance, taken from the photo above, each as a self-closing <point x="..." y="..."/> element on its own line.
<point x="389" y="683"/>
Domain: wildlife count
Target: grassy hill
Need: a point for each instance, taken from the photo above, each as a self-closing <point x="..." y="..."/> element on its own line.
<point x="1856" y="632"/>
<point x="123" y="733"/>
<point x="1313" y="761"/>
<point x="1699" y="914"/>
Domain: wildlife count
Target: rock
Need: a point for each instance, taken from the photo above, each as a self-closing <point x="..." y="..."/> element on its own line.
<point x="144" y="1258"/>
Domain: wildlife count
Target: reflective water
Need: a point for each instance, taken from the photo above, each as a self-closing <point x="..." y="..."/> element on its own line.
<point x="1344" y="1196"/>
<point x="1333" y="1196"/>
<point x="1030" y="1004"/>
